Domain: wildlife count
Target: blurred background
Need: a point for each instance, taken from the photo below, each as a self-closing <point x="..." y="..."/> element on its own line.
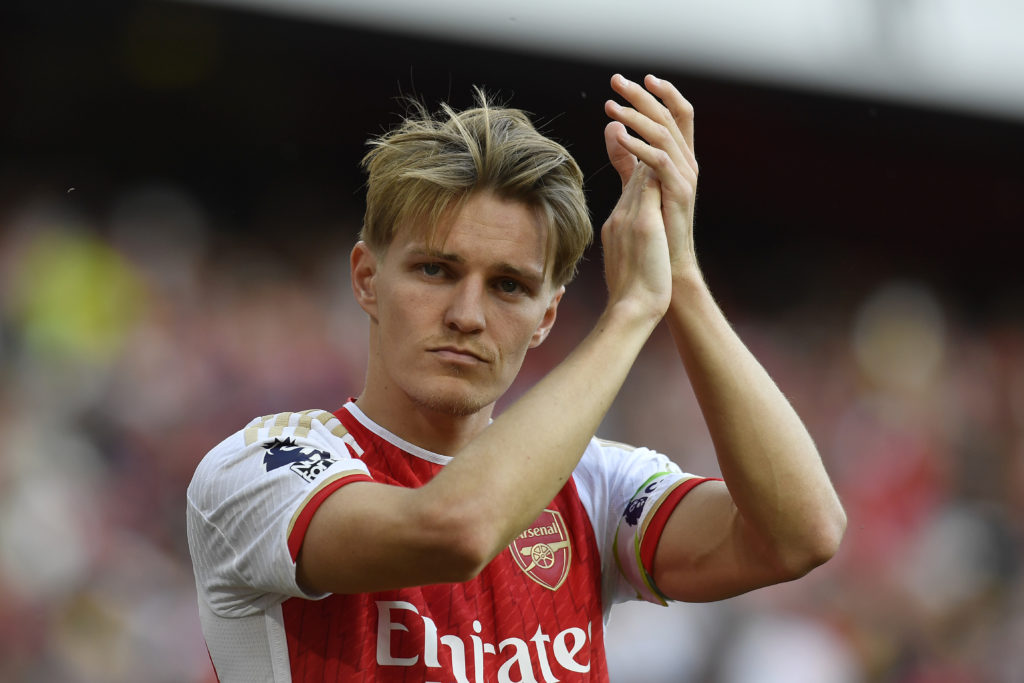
<point x="179" y="189"/>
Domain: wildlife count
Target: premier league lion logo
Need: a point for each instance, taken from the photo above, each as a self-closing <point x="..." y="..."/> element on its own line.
<point x="634" y="510"/>
<point x="309" y="463"/>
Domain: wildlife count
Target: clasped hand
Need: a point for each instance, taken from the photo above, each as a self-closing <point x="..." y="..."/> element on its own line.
<point x="648" y="238"/>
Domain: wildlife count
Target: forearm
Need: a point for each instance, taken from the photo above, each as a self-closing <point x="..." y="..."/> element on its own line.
<point x="768" y="460"/>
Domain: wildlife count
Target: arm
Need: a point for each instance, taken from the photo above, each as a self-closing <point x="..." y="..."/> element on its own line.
<point x="776" y="516"/>
<point x="369" y="536"/>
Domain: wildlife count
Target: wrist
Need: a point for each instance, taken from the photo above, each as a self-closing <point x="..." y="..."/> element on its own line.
<point x="630" y="316"/>
<point x="688" y="284"/>
<point x="687" y="276"/>
<point x="692" y="302"/>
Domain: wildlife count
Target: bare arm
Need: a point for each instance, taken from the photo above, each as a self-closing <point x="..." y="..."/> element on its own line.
<point x="369" y="536"/>
<point x="777" y="515"/>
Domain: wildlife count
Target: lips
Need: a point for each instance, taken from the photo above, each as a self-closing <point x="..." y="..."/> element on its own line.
<point x="459" y="354"/>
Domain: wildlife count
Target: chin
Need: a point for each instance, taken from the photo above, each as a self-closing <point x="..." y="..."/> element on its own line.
<point x="452" y="406"/>
<point x="454" y="401"/>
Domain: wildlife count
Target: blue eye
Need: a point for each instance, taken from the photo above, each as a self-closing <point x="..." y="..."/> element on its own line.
<point x="431" y="269"/>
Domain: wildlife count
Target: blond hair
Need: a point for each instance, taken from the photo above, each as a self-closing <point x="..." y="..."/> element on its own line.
<point x="430" y="164"/>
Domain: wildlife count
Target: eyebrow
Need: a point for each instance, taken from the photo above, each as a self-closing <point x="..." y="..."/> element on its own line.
<point x="527" y="274"/>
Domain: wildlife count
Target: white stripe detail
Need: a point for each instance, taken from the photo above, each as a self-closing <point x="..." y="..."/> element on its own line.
<point x="410" y="448"/>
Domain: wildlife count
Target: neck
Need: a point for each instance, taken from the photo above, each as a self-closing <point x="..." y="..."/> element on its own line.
<point x="418" y="424"/>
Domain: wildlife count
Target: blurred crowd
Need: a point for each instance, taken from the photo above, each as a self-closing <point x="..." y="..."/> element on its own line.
<point x="132" y="343"/>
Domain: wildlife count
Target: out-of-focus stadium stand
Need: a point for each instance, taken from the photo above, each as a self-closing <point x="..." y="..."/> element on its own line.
<point x="178" y="193"/>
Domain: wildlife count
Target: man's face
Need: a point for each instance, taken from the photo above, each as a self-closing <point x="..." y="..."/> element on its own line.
<point x="453" y="319"/>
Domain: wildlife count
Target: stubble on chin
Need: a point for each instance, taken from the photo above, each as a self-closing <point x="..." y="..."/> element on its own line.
<point x="454" y="400"/>
<point x="453" y="406"/>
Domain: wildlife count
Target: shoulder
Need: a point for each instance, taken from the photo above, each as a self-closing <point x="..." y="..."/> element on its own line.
<point x="613" y="460"/>
<point x="247" y="504"/>
<point x="610" y="472"/>
<point x="305" y="442"/>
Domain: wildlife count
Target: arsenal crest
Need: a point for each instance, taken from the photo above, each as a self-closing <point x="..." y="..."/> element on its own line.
<point x="543" y="551"/>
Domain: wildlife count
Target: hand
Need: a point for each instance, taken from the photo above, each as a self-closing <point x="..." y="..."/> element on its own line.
<point x="664" y="121"/>
<point x="636" y="253"/>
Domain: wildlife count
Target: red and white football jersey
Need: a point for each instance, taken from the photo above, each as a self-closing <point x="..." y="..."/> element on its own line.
<point x="535" y="613"/>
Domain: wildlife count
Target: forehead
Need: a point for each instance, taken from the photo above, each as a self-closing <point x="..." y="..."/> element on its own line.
<point x="484" y="228"/>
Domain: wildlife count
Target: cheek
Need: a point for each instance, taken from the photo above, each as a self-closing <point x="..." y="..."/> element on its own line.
<point x="521" y="334"/>
<point x="403" y="329"/>
<point x="405" y="308"/>
<point x="398" y="328"/>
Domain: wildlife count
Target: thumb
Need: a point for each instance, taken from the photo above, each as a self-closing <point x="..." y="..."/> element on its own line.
<point x="622" y="160"/>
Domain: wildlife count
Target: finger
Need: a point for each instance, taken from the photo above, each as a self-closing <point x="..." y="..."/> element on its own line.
<point x="650" y="194"/>
<point x="638" y="209"/>
<point x="644" y="102"/>
<point x="635" y="195"/>
<point x="630" y="198"/>
<point x="679" y="188"/>
<point x="678" y="121"/>
<point x="653" y="132"/>
<point x="621" y="159"/>
<point x="679" y="106"/>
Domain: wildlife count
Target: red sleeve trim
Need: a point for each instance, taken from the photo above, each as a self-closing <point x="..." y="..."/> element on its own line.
<point x="649" y="543"/>
<point x="216" y="676"/>
<point x="298" y="530"/>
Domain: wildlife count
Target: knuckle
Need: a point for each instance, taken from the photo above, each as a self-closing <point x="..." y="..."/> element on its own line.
<point x="662" y="158"/>
<point x="687" y="192"/>
<point x="664" y="116"/>
<point x="662" y="135"/>
<point x="614" y="221"/>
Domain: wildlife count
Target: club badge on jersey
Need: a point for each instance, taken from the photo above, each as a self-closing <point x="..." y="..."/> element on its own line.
<point x="543" y="550"/>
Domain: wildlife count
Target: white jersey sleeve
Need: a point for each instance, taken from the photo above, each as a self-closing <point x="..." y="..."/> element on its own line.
<point x="252" y="498"/>
<point x="628" y="493"/>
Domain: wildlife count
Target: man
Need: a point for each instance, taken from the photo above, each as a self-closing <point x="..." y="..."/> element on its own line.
<point x="413" y="536"/>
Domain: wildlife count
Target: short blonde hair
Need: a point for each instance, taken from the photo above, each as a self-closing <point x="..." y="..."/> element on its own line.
<point x="430" y="164"/>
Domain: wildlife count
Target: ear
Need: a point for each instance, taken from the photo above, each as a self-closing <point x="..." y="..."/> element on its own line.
<point x="364" y="270"/>
<point x="548" y="321"/>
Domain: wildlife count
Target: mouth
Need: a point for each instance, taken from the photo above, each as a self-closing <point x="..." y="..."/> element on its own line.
<point x="454" y="354"/>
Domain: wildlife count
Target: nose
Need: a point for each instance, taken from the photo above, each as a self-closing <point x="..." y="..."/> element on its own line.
<point x="465" y="312"/>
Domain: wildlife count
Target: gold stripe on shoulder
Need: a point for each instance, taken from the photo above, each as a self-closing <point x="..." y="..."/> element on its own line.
<point x="251" y="435"/>
<point x="304" y="424"/>
<point x="281" y="420"/>
<point x="324" y="417"/>
<point x="275" y="422"/>
<point x="301" y="424"/>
